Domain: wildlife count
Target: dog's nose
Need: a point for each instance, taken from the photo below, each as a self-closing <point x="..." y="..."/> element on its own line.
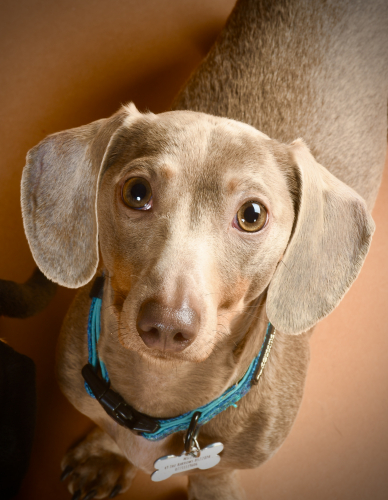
<point x="165" y="328"/>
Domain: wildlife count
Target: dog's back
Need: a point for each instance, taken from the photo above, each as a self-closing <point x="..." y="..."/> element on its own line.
<point x="316" y="70"/>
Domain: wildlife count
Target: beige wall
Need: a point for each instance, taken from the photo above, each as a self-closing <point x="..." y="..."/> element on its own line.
<point x="64" y="63"/>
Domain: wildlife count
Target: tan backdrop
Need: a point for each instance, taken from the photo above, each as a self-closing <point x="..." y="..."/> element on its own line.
<point x="66" y="63"/>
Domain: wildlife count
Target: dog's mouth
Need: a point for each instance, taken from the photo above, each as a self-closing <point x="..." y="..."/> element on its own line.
<point x="159" y="330"/>
<point x="163" y="342"/>
<point x="177" y="350"/>
<point x="189" y="332"/>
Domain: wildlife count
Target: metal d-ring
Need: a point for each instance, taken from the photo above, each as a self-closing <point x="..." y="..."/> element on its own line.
<point x="191" y="443"/>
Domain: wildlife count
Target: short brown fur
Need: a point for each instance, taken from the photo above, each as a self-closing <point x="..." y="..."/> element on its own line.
<point x="278" y="66"/>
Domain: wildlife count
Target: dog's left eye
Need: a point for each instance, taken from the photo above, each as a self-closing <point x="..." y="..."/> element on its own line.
<point x="137" y="193"/>
<point x="251" y="217"/>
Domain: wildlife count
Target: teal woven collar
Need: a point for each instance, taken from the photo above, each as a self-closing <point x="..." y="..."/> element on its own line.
<point x="152" y="428"/>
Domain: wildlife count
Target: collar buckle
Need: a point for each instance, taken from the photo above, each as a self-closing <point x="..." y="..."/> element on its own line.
<point x="115" y="405"/>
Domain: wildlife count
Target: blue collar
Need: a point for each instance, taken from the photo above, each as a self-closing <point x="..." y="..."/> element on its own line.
<point x="114" y="404"/>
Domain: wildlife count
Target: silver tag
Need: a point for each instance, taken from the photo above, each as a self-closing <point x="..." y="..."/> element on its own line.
<point x="172" y="464"/>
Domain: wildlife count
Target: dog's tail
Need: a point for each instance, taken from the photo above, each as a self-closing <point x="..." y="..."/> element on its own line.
<point x="26" y="299"/>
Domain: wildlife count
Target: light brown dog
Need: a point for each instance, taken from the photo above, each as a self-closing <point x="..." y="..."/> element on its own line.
<point x="191" y="280"/>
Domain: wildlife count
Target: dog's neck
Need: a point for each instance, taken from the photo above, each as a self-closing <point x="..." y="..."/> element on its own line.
<point x="165" y="388"/>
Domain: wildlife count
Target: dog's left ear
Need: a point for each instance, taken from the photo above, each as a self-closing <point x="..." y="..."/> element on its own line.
<point x="329" y="243"/>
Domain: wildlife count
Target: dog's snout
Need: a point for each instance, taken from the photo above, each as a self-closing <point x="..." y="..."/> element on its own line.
<point x="165" y="328"/>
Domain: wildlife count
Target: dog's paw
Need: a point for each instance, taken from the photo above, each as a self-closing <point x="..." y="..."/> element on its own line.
<point x="92" y="470"/>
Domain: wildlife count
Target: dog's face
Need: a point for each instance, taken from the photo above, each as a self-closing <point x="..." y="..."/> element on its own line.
<point x="193" y="215"/>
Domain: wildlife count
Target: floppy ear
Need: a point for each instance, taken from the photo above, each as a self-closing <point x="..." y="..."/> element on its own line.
<point x="59" y="195"/>
<point x="329" y="243"/>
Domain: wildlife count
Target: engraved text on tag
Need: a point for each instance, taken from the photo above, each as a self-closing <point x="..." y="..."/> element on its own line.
<point x="172" y="464"/>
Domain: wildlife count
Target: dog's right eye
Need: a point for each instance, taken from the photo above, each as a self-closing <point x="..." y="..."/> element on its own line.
<point x="137" y="193"/>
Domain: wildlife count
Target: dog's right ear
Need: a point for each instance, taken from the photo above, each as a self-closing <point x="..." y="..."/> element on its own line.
<point x="59" y="195"/>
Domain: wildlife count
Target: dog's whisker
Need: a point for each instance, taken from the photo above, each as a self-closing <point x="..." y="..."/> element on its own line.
<point x="223" y="326"/>
<point x="282" y="261"/>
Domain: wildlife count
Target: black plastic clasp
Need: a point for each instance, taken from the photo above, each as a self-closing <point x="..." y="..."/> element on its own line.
<point x="115" y="405"/>
<point x="192" y="432"/>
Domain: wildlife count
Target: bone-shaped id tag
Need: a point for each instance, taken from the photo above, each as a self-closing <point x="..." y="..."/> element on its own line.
<point x="171" y="464"/>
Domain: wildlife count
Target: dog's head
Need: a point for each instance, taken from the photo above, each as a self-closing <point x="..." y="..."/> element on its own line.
<point x="195" y="218"/>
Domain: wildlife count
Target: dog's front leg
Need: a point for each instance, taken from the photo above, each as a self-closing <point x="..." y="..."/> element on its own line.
<point x="96" y="468"/>
<point x="206" y="486"/>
